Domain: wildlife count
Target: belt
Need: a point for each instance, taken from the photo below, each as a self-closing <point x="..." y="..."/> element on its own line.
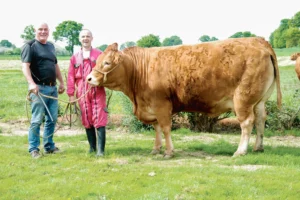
<point x="47" y="83"/>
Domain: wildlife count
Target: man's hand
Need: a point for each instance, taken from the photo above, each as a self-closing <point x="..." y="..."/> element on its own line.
<point x="33" y="88"/>
<point x="71" y="99"/>
<point x="61" y="89"/>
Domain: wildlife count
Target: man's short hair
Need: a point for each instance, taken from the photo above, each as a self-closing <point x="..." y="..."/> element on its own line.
<point x="85" y="29"/>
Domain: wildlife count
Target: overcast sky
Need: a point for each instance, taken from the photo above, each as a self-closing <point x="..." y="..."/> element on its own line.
<point x="129" y="20"/>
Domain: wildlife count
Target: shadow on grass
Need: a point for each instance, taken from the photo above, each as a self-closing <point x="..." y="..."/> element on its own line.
<point x="128" y="151"/>
<point x="220" y="147"/>
<point x="224" y="148"/>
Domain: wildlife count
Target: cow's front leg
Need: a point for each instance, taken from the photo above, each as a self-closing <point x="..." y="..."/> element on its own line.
<point x="169" y="152"/>
<point x="158" y="139"/>
<point x="163" y="116"/>
<point x="166" y="129"/>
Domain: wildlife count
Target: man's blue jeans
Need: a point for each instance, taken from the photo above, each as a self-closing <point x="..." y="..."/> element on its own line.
<point x="40" y="115"/>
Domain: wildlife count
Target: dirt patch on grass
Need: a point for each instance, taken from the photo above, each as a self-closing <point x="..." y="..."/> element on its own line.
<point x="63" y="128"/>
<point x="115" y="128"/>
<point x="20" y="128"/>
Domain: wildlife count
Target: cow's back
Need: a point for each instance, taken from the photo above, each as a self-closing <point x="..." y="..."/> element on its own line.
<point x="203" y="76"/>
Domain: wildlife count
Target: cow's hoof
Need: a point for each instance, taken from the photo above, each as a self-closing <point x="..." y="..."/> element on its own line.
<point x="259" y="150"/>
<point x="155" y="152"/>
<point x="167" y="156"/>
<point x="238" y="153"/>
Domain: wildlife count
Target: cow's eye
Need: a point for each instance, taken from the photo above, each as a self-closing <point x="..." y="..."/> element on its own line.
<point x="105" y="63"/>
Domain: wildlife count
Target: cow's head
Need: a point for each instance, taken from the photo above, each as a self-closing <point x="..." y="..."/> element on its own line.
<point x="295" y="56"/>
<point x="106" y="63"/>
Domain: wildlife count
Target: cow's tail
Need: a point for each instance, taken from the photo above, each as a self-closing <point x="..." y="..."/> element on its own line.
<point x="277" y="78"/>
<point x="295" y="56"/>
<point x="276" y="69"/>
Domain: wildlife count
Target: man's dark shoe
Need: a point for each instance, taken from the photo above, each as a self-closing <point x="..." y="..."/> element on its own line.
<point x="35" y="154"/>
<point x="54" y="151"/>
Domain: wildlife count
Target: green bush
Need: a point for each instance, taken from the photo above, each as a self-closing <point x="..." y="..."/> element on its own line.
<point x="131" y="122"/>
<point x="285" y="118"/>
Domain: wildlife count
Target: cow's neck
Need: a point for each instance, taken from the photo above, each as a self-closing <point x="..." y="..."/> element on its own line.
<point x="136" y="65"/>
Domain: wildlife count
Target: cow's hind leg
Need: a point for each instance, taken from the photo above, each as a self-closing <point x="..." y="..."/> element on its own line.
<point x="260" y="118"/>
<point x="158" y="139"/>
<point x="246" y="119"/>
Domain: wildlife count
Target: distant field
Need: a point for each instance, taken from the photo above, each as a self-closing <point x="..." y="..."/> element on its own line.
<point x="279" y="52"/>
<point x="286" y="51"/>
<point x="13" y="88"/>
<point x="18" y="57"/>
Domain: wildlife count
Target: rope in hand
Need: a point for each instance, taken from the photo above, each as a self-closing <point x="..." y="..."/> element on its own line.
<point x="69" y="105"/>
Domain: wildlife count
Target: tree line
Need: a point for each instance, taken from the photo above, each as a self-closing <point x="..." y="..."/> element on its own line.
<point x="285" y="36"/>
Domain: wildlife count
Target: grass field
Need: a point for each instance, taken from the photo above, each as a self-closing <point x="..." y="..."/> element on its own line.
<point x="203" y="166"/>
<point x="286" y="51"/>
<point x="201" y="169"/>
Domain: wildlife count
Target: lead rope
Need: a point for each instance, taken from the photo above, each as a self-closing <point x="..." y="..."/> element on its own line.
<point x="69" y="105"/>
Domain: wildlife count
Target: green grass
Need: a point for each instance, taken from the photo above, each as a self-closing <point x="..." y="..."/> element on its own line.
<point x="286" y="51"/>
<point x="289" y="84"/>
<point x="201" y="169"/>
<point x="13" y="90"/>
<point x="18" y="57"/>
<point x="13" y="94"/>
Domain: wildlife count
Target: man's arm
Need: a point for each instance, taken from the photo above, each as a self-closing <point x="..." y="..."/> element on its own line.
<point x="60" y="79"/>
<point x="27" y="73"/>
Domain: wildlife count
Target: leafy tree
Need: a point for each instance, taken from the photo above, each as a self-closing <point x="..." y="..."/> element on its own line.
<point x="15" y="51"/>
<point x="271" y="39"/>
<point x="102" y="47"/>
<point x="206" y="38"/>
<point x="287" y="34"/>
<point x="214" y="39"/>
<point x="172" y="41"/>
<point x="279" y="40"/>
<point x="6" y="43"/>
<point x="295" y="21"/>
<point x="242" y="34"/>
<point x="292" y="36"/>
<point x="248" y="34"/>
<point x="149" y="41"/>
<point x="28" y="33"/>
<point x="237" y="35"/>
<point x="68" y="31"/>
<point x="127" y="44"/>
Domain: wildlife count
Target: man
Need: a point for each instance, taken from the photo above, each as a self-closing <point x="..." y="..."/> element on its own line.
<point x="93" y="105"/>
<point x="40" y="68"/>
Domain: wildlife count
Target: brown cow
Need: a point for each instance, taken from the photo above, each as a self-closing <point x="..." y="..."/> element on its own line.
<point x="296" y="56"/>
<point x="212" y="78"/>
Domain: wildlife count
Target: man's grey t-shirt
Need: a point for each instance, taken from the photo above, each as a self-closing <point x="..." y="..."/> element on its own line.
<point x="42" y="61"/>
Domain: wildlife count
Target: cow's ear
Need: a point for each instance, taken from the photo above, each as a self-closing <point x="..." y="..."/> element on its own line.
<point x="112" y="47"/>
